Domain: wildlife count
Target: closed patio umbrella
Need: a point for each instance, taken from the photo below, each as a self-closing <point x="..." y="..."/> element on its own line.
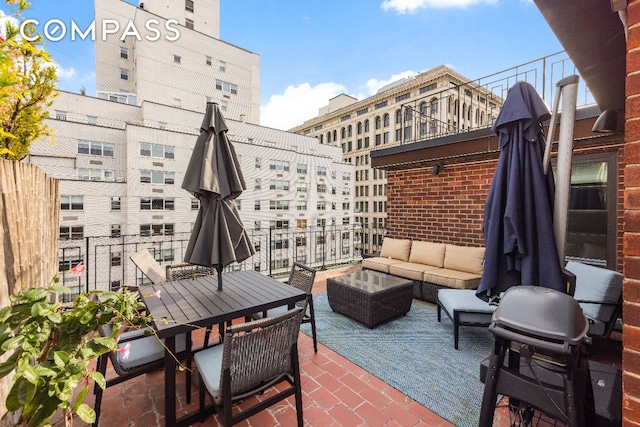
<point x="214" y="176"/>
<point x="520" y="247"/>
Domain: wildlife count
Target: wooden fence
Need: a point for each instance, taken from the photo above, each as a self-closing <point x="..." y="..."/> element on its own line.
<point x="29" y="227"/>
<point x="29" y="234"/>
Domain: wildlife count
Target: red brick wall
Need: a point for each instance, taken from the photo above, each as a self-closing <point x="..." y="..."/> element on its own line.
<point x="444" y="208"/>
<point x="631" y="249"/>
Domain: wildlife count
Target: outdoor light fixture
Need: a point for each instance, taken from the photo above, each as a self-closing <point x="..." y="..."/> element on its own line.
<point x="435" y="170"/>
<point x="607" y="122"/>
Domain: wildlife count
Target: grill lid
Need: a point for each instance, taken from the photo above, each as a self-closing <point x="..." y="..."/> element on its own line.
<point x="543" y="313"/>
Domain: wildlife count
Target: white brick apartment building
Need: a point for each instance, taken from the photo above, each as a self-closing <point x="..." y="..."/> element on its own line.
<point x="121" y="156"/>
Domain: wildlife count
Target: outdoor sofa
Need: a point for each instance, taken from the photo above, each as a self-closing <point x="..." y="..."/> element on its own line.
<point x="431" y="266"/>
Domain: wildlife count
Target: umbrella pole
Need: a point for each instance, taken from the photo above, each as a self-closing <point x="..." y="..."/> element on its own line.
<point x="219" y="270"/>
<point x="569" y="86"/>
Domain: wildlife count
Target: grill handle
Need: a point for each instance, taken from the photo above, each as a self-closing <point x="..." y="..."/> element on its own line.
<point x="548" y="347"/>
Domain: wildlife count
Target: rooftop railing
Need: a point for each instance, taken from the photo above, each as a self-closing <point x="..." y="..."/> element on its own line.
<point x="475" y="104"/>
<point x="108" y="267"/>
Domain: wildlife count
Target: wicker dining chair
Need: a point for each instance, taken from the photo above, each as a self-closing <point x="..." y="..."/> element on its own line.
<point x="146" y="354"/>
<point x="300" y="277"/>
<point x="254" y="356"/>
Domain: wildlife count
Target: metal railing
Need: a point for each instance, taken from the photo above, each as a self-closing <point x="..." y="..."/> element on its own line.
<point x="475" y="104"/>
<point x="107" y="263"/>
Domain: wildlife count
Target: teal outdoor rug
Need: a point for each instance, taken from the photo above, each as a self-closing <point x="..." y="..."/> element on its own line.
<point x="415" y="355"/>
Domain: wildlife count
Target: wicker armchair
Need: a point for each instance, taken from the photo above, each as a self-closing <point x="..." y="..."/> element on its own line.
<point x="254" y="356"/>
<point x="300" y="277"/>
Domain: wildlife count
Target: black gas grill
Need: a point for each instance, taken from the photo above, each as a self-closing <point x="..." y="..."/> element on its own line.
<point x="540" y="338"/>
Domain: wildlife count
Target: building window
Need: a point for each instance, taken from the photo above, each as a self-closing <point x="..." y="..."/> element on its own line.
<point x="279" y="205"/>
<point x="124" y="53"/>
<point x="279" y="224"/>
<point x="402" y="97"/>
<point x="157" y="150"/>
<point x="222" y="66"/>
<point x="226" y="87"/>
<point x="96" y="148"/>
<point x="258" y="162"/>
<point x="301" y="187"/>
<point x="224" y="105"/>
<point x="157" y="177"/>
<point x="301" y="205"/>
<point x="256" y="205"/>
<point x="115" y="230"/>
<point x="302" y="168"/>
<point x="156" y="204"/>
<point x="278" y="185"/>
<point x="71" y="203"/>
<point x="321" y="188"/>
<point x="68" y="262"/>
<point x="195" y="204"/>
<point x="301" y="223"/>
<point x="70" y="233"/>
<point x="124" y="74"/>
<point x="256" y="225"/>
<point x="189" y="23"/>
<point x="147" y="230"/>
<point x="188" y="5"/>
<point x="208" y="60"/>
<point x="279" y="165"/>
<point x="96" y="174"/>
<point x="92" y="120"/>
<point x="116" y="259"/>
<point x="321" y="171"/>
<point x="321" y="205"/>
<point x="177" y="59"/>
<point x="116" y="204"/>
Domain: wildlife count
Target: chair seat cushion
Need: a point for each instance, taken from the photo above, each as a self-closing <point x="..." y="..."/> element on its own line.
<point x="410" y="270"/>
<point x="143" y="349"/>
<point x="379" y="263"/>
<point x="469" y="307"/>
<point x="209" y="364"/>
<point x="452" y="278"/>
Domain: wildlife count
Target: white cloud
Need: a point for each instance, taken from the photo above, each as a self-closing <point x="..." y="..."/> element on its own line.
<point x="65" y="73"/>
<point x="373" y="85"/>
<point x="412" y="6"/>
<point x="297" y="104"/>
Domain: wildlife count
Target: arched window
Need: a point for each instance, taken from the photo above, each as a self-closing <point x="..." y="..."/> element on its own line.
<point x="359" y="128"/>
<point x="482" y="119"/>
<point x="469" y="113"/>
<point x="343" y="133"/>
<point x="378" y="122"/>
<point x="385" y="120"/>
<point x="335" y="135"/>
<point x="434" y="106"/>
<point x="328" y="137"/>
<point x="449" y="102"/>
<point x="366" y="126"/>
<point x="423" y="108"/>
<point x="349" y="131"/>
<point x="455" y="107"/>
<point x="398" y="117"/>
<point x="408" y="114"/>
<point x="464" y="111"/>
<point x="320" y="138"/>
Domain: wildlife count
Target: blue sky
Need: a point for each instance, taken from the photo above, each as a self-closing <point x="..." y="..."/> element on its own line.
<point x="312" y="50"/>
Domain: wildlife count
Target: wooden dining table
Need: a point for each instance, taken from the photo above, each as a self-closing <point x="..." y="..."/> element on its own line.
<point x="180" y="306"/>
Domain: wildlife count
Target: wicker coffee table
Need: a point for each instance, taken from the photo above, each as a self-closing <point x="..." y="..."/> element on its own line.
<point x="370" y="297"/>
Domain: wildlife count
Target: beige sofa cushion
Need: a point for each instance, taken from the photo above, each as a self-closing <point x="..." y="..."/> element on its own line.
<point x="395" y="248"/>
<point x="464" y="258"/>
<point x="379" y="263"/>
<point x="427" y="253"/>
<point x="410" y="270"/>
<point x="452" y="278"/>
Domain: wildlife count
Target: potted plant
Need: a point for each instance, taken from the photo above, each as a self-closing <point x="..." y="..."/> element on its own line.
<point x="49" y="347"/>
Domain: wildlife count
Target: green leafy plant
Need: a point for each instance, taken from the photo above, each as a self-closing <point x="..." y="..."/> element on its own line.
<point x="49" y="347"/>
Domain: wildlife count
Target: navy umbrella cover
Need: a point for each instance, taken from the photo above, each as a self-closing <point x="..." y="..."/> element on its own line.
<point x="520" y="247"/>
